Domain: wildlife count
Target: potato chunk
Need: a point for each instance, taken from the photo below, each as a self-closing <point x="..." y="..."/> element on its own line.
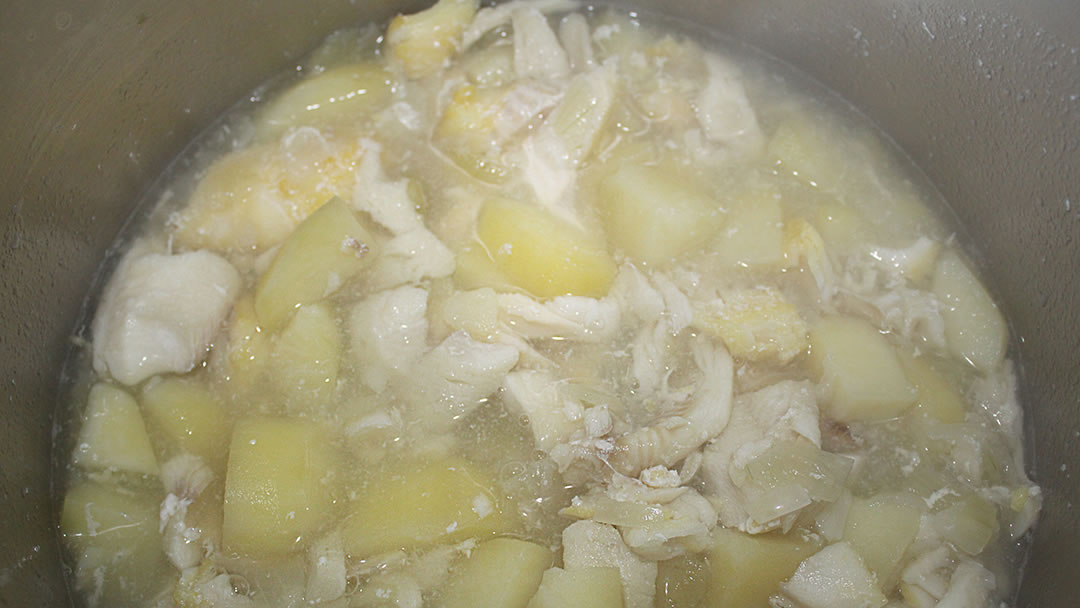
<point x="113" y="536"/>
<point x="835" y="577"/>
<point x="347" y="92"/>
<point x="542" y="253"/>
<point x="113" y="436"/>
<point x="422" y="43"/>
<point x="324" y="252"/>
<point x="306" y="359"/>
<point x="279" y="485"/>
<point x="754" y="233"/>
<point x="974" y="327"/>
<point x="746" y="569"/>
<point x="861" y="371"/>
<point x="415" y="506"/>
<point x="582" y="588"/>
<point x="880" y="529"/>
<point x="247" y="349"/>
<point x="937" y="398"/>
<point x="500" y="573"/>
<point x="184" y="417"/>
<point x="757" y="324"/>
<point x="655" y="215"/>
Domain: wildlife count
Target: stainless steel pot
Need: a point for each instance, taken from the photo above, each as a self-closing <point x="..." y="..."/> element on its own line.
<point x="97" y="96"/>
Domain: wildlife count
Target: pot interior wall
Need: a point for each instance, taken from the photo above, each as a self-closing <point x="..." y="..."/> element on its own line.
<point x="98" y="96"/>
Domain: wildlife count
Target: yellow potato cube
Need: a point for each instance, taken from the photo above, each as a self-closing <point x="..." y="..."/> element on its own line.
<point x="344" y="93"/>
<point x="474" y="269"/>
<point x="279" y="489"/>
<point x="306" y="359"/>
<point x="937" y="398"/>
<point x="543" y="254"/>
<point x="113" y="435"/>
<point x="414" y="506"/>
<point x="860" y="370"/>
<point x="746" y="570"/>
<point x="969" y="523"/>
<point x="754" y="233"/>
<point x="654" y="214"/>
<point x="500" y="573"/>
<point x="424" y="42"/>
<point x="248" y="347"/>
<point x="580" y="588"/>
<point x="975" y="330"/>
<point x="113" y="536"/>
<point x="467" y="131"/>
<point x="682" y="581"/>
<point x="880" y="529"/>
<point x="757" y="324"/>
<point x="184" y="417"/>
<point x="324" y="252"/>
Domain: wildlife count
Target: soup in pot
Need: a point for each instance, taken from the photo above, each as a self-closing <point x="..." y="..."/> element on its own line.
<point x="543" y="305"/>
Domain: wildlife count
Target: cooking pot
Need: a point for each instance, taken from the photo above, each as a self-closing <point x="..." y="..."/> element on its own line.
<point x="97" y="96"/>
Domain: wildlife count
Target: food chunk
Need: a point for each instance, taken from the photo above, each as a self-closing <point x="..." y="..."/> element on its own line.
<point x="753" y="235"/>
<point x="327" y="250"/>
<point x="746" y="569"/>
<point x="417" y="506"/>
<point x="587" y="544"/>
<point x="542" y="253"/>
<point x="756" y="324"/>
<point x="112" y="533"/>
<point x="113" y="436"/>
<point x="307" y="358"/>
<point x="422" y="43"/>
<point x="880" y="529"/>
<point x="343" y="93"/>
<point x="655" y="215"/>
<point x="500" y="573"/>
<point x="835" y="577"/>
<point x="864" y="378"/>
<point x="159" y="313"/>
<point x="582" y="588"/>
<point x="974" y="328"/>
<point x="182" y="417"/>
<point x="279" y="489"/>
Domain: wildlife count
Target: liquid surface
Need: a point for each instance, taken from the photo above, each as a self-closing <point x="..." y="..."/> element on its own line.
<point x="542" y="305"/>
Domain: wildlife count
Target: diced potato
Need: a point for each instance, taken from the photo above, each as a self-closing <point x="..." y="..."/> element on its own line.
<point x="861" y="371"/>
<point x="234" y="207"/>
<point x="113" y="536"/>
<point x="975" y="330"/>
<point x="327" y="250"/>
<point x="248" y="347"/>
<point x="746" y="570"/>
<point x="800" y="463"/>
<point x="582" y="588"/>
<point x="880" y="529"/>
<point x="500" y="573"/>
<point x="682" y="581"/>
<point x="466" y="131"/>
<point x="809" y="150"/>
<point x="306" y="359"/>
<point x="542" y="253"/>
<point x="113" y="435"/>
<point x="279" y="489"/>
<point x="344" y="93"/>
<point x="655" y="215"/>
<point x="757" y="324"/>
<point x="416" y="506"/>
<point x="969" y="523"/>
<point x="475" y="311"/>
<point x="835" y="577"/>
<point x="843" y="229"/>
<point x="937" y="398"/>
<point x="474" y="269"/>
<point x="184" y="417"/>
<point x="424" y="42"/>
<point x="754" y="233"/>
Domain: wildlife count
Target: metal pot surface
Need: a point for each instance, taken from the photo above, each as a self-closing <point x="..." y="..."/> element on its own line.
<point x="96" y="97"/>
